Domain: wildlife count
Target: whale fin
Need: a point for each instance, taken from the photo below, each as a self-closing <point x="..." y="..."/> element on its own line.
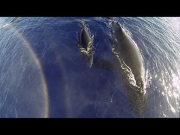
<point x="92" y="37"/>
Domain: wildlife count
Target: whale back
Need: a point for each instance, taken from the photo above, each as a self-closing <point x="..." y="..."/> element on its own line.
<point x="129" y="53"/>
<point x="85" y="44"/>
<point x="85" y="37"/>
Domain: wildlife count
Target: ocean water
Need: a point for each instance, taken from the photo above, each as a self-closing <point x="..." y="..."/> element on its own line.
<point x="43" y="74"/>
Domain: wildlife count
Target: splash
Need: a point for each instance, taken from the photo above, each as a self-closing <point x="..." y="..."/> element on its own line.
<point x="88" y="54"/>
<point x="127" y="72"/>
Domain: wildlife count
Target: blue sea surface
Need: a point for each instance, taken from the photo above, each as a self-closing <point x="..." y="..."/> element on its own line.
<point x="43" y="73"/>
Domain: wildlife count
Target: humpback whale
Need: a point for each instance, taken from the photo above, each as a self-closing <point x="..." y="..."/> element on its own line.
<point x="86" y="44"/>
<point x="127" y="60"/>
<point x="13" y="20"/>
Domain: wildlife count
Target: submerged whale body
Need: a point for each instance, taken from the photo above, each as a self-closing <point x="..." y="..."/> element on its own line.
<point x="86" y="44"/>
<point x="127" y="60"/>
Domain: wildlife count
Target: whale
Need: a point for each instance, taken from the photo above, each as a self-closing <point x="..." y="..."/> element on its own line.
<point x="129" y="62"/>
<point x="8" y="24"/>
<point x="13" y="20"/>
<point x="85" y="44"/>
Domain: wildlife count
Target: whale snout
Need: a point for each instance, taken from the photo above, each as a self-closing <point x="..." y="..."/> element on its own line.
<point x="114" y="24"/>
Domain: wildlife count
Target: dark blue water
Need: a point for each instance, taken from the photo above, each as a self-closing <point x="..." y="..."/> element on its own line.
<point x="43" y="74"/>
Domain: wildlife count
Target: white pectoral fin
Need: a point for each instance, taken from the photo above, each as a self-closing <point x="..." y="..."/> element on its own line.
<point x="92" y="37"/>
<point x="83" y="50"/>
